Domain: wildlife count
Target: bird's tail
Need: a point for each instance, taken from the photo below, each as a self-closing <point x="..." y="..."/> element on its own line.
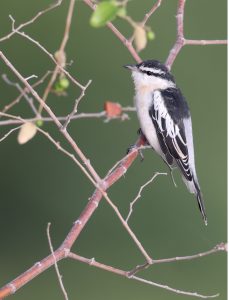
<point x="194" y="188"/>
<point x="200" y="201"/>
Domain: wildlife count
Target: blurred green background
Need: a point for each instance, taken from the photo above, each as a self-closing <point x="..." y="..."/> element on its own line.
<point x="40" y="185"/>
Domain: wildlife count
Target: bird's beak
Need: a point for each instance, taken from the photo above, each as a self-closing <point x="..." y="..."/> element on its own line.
<point x="130" y="67"/>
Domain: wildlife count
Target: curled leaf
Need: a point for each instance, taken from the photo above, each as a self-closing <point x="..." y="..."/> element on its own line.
<point x="140" y="38"/>
<point x="105" y="11"/>
<point x="26" y="133"/>
<point x="112" y="109"/>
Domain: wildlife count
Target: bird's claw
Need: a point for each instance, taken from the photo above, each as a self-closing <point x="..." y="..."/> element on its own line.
<point x="134" y="147"/>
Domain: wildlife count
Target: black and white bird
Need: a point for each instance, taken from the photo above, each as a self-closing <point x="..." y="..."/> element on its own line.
<point x="165" y="121"/>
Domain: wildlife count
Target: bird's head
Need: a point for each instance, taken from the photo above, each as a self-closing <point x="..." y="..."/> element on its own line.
<point x="151" y="74"/>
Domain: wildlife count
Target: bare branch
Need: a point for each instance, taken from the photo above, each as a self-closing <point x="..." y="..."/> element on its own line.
<point x="75" y="108"/>
<point x="218" y="248"/>
<point x="205" y="42"/>
<point x="83" y="115"/>
<point x="23" y="93"/>
<point x="39" y="14"/>
<point x="168" y="288"/>
<point x="181" y="41"/>
<point x="151" y="11"/>
<point x="94" y="263"/>
<point x="59" y="276"/>
<point x="139" y="193"/>
<point x="8" y="133"/>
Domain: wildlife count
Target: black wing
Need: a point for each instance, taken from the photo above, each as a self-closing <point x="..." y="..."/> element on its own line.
<point x="167" y="113"/>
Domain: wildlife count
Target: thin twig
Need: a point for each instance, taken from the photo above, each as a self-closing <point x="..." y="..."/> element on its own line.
<point x="59" y="276"/>
<point x="151" y="11"/>
<point x="39" y="14"/>
<point x="140" y="194"/>
<point x="75" y="108"/>
<point x="205" y="42"/>
<point x="8" y="133"/>
<point x="95" y="115"/>
<point x="94" y="263"/>
<point x="22" y="92"/>
<point x="168" y="288"/>
<point x="217" y="248"/>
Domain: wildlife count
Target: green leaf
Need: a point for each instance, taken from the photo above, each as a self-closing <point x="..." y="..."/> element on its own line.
<point x="105" y="12"/>
<point x="122" y="11"/>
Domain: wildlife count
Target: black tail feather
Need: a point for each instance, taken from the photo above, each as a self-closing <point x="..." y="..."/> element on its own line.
<point x="200" y="202"/>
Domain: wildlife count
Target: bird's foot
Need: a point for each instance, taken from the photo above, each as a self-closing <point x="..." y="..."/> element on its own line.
<point x="134" y="147"/>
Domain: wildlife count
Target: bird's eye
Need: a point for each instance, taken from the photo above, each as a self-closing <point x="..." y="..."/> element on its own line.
<point x="149" y="73"/>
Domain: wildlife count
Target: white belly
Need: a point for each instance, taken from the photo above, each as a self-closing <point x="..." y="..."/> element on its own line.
<point x="143" y="102"/>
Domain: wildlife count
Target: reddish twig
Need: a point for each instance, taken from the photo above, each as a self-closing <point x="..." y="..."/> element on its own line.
<point x="180" y="35"/>
<point x="181" y="41"/>
<point x="151" y="11"/>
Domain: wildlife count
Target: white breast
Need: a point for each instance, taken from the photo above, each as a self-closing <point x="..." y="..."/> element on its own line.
<point x="143" y="102"/>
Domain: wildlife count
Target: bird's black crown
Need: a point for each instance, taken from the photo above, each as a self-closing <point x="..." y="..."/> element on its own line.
<point x="155" y="68"/>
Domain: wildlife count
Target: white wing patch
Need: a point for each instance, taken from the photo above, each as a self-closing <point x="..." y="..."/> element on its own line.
<point x="173" y="135"/>
<point x="171" y="129"/>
